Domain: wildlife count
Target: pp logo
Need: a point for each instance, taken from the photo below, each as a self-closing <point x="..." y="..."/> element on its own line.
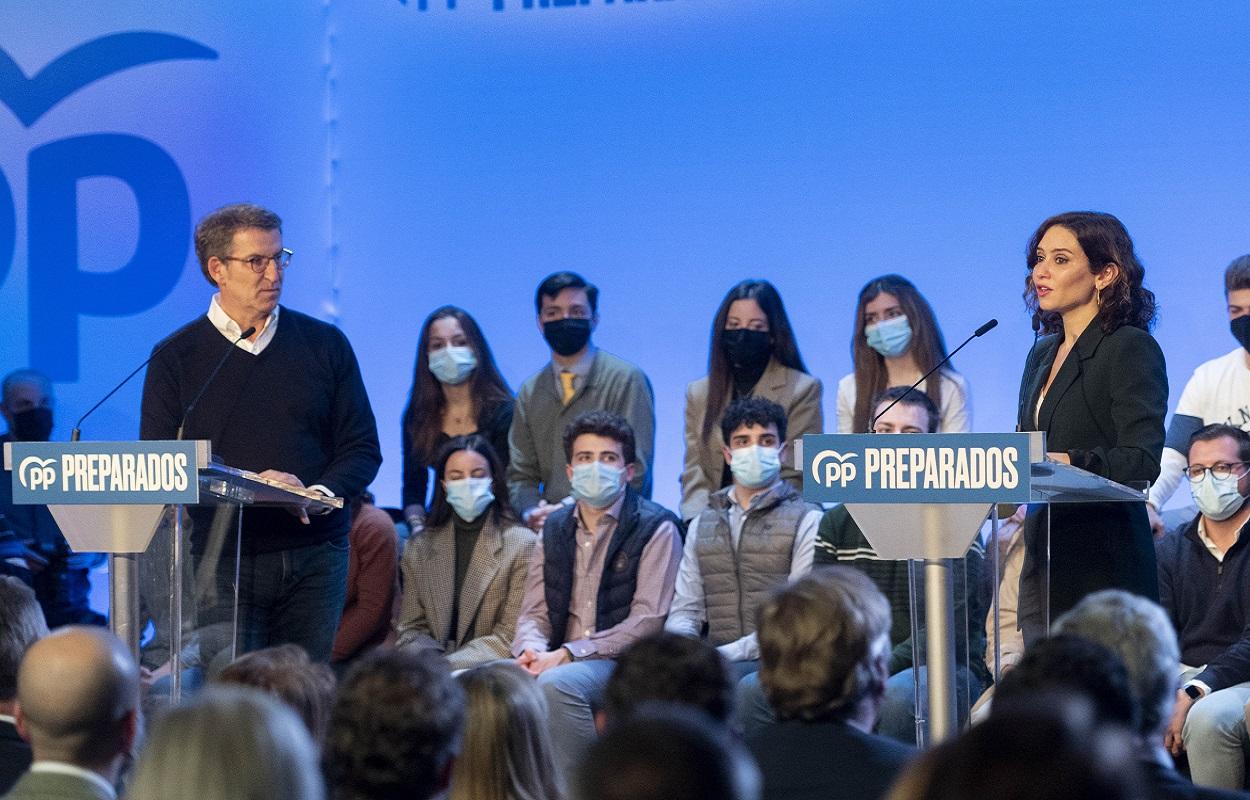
<point x="830" y="467"/>
<point x="37" y="473"/>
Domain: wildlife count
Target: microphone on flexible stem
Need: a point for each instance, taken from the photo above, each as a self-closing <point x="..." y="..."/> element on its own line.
<point x="213" y="374"/>
<point x="76" y="433"/>
<point x="981" y="331"/>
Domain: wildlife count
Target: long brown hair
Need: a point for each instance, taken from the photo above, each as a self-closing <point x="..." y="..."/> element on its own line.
<point x="785" y="350"/>
<point x="423" y="416"/>
<point x="927" y="345"/>
<point x="1105" y="241"/>
<point x="506" y="753"/>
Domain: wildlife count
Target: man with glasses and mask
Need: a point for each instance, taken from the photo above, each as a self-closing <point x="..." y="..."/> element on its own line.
<point x="60" y="577"/>
<point x="755" y="535"/>
<point x="1218" y="391"/>
<point x="1204" y="585"/>
<point x="578" y="379"/>
<point x="290" y="406"/>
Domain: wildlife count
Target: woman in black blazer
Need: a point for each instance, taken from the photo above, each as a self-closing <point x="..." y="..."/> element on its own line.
<point x="1097" y="384"/>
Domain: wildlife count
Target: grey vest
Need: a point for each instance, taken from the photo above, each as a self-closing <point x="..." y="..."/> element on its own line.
<point x="736" y="582"/>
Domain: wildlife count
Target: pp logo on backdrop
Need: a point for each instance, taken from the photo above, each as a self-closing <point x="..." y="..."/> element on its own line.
<point x="830" y="468"/>
<point x="37" y="473"/>
<point x="61" y="288"/>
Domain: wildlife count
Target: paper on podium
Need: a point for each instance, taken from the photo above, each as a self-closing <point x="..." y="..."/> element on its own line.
<point x="248" y="488"/>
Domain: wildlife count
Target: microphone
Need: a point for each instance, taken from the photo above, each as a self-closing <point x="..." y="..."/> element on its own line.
<point x="76" y="433"/>
<point x="981" y="331"/>
<point x="191" y="407"/>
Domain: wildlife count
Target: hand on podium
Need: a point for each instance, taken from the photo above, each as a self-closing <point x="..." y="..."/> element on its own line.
<point x="288" y="478"/>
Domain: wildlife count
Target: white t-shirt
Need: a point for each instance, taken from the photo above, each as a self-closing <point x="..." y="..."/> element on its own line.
<point x="956" y="410"/>
<point x="1218" y="391"/>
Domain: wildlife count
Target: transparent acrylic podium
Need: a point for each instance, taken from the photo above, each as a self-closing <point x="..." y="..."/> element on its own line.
<point x="934" y="536"/>
<point x="184" y="598"/>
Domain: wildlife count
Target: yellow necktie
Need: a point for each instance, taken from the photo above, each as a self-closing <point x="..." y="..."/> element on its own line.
<point x="566" y="385"/>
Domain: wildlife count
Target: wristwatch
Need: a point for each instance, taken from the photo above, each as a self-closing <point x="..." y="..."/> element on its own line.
<point x="1193" y="691"/>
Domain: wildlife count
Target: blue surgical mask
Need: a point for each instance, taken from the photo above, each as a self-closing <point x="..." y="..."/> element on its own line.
<point x="1217" y="498"/>
<point x="889" y="337"/>
<point x="469" y="497"/>
<point x="755" y="467"/>
<point x="597" y="484"/>
<point x="453" y="365"/>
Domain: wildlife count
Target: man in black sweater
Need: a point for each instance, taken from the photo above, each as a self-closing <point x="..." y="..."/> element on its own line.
<point x="291" y="407"/>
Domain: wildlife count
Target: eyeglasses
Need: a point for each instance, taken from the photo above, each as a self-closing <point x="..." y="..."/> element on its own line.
<point x="1196" y="472"/>
<point x="280" y="259"/>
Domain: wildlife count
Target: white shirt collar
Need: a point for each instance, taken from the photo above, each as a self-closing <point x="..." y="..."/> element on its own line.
<point x="61" y="768"/>
<point x="8" y="719"/>
<point x="231" y="330"/>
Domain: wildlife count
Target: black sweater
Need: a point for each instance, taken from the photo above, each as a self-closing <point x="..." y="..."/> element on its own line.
<point x="299" y="406"/>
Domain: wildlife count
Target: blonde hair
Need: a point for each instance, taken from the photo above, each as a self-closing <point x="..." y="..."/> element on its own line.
<point x="506" y="752"/>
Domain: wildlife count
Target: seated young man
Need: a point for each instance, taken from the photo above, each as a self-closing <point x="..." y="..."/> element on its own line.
<point x="754" y="535"/>
<point x="1204" y="585"/>
<point x="601" y="577"/>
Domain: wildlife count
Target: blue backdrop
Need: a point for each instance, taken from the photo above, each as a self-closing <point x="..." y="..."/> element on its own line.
<point x="459" y="150"/>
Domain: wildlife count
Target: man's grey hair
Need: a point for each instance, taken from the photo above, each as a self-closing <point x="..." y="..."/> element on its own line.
<point x="214" y="233"/>
<point x="1140" y="633"/>
<point x="24" y="376"/>
<point x="21" y="625"/>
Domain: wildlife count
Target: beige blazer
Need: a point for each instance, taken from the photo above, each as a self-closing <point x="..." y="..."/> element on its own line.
<point x="797" y="392"/>
<point x="490" y="599"/>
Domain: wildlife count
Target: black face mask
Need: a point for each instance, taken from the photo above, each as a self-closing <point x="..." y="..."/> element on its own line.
<point x="748" y="351"/>
<point x="33" y="424"/>
<point x="567" y="336"/>
<point x="1241" y="331"/>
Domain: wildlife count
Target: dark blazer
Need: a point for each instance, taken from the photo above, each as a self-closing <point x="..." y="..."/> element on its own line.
<point x="14" y="756"/>
<point x="1105" y="410"/>
<point x="826" y="761"/>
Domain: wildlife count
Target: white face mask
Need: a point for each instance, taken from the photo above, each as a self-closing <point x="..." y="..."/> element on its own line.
<point x="597" y="484"/>
<point x="755" y="466"/>
<point x="469" y="497"/>
<point x="453" y="365"/>
<point x="1217" y="498"/>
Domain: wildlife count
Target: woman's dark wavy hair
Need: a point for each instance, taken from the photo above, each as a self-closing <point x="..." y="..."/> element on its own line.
<point x="785" y="349"/>
<point x="928" y="347"/>
<point x="423" y="416"/>
<point x="441" y="510"/>
<point x="1105" y="241"/>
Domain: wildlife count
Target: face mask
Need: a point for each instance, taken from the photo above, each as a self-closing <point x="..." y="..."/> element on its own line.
<point x="748" y="351"/>
<point x="889" y="337"/>
<point x="1217" y="498"/>
<point x="1241" y="330"/>
<point x="469" y="497"/>
<point x="567" y="336"/>
<point x="33" y="424"/>
<point x="598" y="484"/>
<point x="453" y="365"/>
<point x="755" y="467"/>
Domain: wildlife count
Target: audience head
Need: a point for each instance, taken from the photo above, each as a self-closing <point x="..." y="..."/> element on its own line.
<point x="824" y="647"/>
<point x="1070" y="665"/>
<point x="469" y="480"/>
<point x="26" y="403"/>
<point x="892" y="319"/>
<point x="1141" y="635"/>
<point x="911" y="412"/>
<point x="214" y="235"/>
<point x="667" y="752"/>
<point x="1237" y="295"/>
<point x="1110" y="274"/>
<point x="506" y="753"/>
<point x="286" y="672"/>
<point x="78" y="699"/>
<point x="395" y="728"/>
<point x="599" y="446"/>
<point x="1219" y="470"/>
<point x="667" y="667"/>
<point x="228" y="743"/>
<point x="21" y="625"/>
<point x="754" y="433"/>
<point x="568" y="310"/>
<point x="1046" y="750"/>
<point x="451" y="350"/>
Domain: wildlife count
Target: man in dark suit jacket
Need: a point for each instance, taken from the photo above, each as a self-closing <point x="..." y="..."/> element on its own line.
<point x="78" y="705"/>
<point x="21" y="624"/>
<point x="824" y="660"/>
